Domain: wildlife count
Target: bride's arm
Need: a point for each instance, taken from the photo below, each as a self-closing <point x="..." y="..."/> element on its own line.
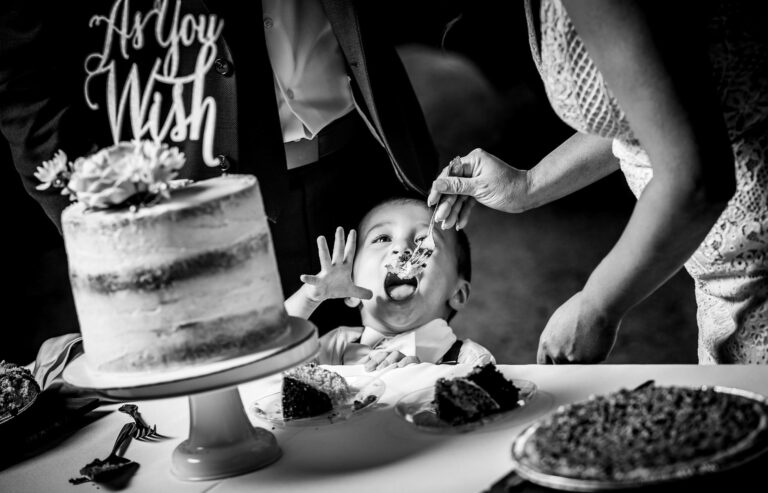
<point x="579" y="161"/>
<point x="654" y="60"/>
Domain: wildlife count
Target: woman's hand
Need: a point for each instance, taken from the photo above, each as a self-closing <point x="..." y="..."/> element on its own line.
<point x="335" y="277"/>
<point x="477" y="176"/>
<point x="578" y="332"/>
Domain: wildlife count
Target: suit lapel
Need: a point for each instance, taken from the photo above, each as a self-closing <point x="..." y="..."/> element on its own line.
<point x="346" y="26"/>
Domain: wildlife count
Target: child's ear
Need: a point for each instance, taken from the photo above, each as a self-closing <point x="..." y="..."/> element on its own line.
<point x="352" y="302"/>
<point x="460" y="295"/>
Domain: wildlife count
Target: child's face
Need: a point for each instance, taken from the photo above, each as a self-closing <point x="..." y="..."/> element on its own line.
<point x="397" y="306"/>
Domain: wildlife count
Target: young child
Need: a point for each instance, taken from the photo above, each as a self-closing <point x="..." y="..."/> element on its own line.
<point x="405" y="320"/>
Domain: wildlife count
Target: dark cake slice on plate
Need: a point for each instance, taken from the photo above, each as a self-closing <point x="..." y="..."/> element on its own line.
<point x="483" y="392"/>
<point x="490" y="379"/>
<point x="310" y="390"/>
<point x="460" y="401"/>
<point x="301" y="400"/>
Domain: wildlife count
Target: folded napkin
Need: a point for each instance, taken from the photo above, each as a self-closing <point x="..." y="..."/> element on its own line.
<point x="54" y="355"/>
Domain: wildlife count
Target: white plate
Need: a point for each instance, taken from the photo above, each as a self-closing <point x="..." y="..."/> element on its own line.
<point x="418" y="409"/>
<point x="367" y="392"/>
<point x="298" y="346"/>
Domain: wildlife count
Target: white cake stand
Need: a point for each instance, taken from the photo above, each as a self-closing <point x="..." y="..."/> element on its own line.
<point x="222" y="442"/>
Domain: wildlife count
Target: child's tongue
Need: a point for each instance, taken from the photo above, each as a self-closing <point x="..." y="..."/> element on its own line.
<point x="401" y="292"/>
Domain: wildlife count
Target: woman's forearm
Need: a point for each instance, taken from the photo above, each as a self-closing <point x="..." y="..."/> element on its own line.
<point x="669" y="222"/>
<point x="653" y="61"/>
<point x="579" y="161"/>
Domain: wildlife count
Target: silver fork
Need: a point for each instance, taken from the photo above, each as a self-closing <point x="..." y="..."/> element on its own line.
<point x="426" y="245"/>
<point x="141" y="431"/>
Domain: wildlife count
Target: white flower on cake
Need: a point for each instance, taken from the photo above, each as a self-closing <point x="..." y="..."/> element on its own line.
<point x="127" y="173"/>
<point x="53" y="173"/>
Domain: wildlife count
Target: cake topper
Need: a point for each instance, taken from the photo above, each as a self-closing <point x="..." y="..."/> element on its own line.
<point x="127" y="174"/>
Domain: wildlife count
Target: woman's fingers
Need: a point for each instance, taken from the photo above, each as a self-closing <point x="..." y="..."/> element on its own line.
<point x="434" y="195"/>
<point x="455" y="185"/>
<point x="466" y="209"/>
<point x="453" y="217"/>
<point x="444" y="208"/>
<point x="542" y="358"/>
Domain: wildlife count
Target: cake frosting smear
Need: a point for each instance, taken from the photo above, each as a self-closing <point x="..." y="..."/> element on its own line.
<point x="188" y="280"/>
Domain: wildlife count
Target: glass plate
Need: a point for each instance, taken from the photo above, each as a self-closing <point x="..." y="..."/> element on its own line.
<point x="417" y="408"/>
<point x="367" y="392"/>
<point x="4" y="418"/>
<point x="716" y="463"/>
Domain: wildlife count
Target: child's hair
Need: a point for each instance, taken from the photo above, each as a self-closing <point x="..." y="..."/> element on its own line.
<point x="463" y="252"/>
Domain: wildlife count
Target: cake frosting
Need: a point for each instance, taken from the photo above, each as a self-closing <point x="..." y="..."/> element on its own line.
<point x="188" y="280"/>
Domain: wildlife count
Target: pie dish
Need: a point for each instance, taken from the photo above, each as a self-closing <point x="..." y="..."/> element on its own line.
<point x="650" y="435"/>
<point x="18" y="391"/>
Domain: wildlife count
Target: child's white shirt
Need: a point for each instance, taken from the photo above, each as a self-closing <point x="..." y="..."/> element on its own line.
<point x="429" y="343"/>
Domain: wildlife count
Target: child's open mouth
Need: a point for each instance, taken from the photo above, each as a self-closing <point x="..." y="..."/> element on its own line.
<point x="399" y="289"/>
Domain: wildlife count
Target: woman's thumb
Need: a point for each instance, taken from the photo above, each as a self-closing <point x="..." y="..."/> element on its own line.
<point x="454" y="185"/>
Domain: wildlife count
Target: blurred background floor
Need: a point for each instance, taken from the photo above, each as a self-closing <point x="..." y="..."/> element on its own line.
<point x="482" y="90"/>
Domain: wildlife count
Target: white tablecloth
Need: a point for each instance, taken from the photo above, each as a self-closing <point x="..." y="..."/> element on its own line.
<point x="373" y="451"/>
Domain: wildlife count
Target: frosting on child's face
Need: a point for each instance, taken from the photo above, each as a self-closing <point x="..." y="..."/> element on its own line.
<point x="397" y="305"/>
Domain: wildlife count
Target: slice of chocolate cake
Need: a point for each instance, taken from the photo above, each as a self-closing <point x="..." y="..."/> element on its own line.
<point x="460" y="401"/>
<point x="311" y="390"/>
<point x="301" y="400"/>
<point x="492" y="381"/>
<point x="484" y="391"/>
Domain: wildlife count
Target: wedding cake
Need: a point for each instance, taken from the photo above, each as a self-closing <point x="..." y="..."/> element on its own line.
<point x="176" y="282"/>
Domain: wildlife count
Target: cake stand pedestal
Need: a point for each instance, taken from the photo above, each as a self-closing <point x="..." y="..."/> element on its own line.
<point x="222" y="442"/>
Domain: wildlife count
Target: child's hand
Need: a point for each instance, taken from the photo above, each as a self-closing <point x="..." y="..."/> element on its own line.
<point x="335" y="277"/>
<point x="378" y="360"/>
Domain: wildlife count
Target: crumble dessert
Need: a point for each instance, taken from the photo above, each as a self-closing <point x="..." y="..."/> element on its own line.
<point x="17" y="388"/>
<point x="635" y="435"/>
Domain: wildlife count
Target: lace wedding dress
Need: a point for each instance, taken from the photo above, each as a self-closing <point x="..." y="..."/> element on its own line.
<point x="730" y="267"/>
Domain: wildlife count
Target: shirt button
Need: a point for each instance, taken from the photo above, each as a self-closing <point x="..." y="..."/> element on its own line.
<point x="224" y="67"/>
<point x="289" y="93"/>
<point x="268" y="23"/>
<point x="223" y="162"/>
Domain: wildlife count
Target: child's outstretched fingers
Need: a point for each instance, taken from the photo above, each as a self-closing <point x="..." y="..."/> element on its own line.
<point x="338" y="247"/>
<point x="309" y="279"/>
<point x="362" y="293"/>
<point x="323" y="253"/>
<point x="351" y="246"/>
